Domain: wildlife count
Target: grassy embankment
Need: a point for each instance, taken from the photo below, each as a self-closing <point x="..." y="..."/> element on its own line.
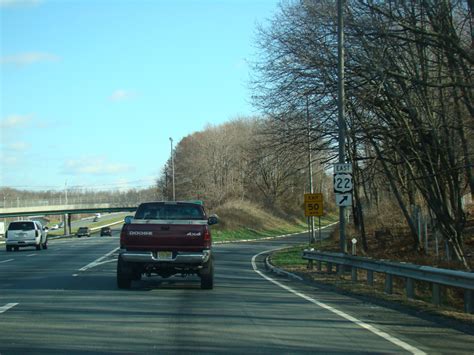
<point x="240" y="220"/>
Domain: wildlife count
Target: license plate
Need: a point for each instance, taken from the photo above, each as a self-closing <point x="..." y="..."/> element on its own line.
<point x="165" y="255"/>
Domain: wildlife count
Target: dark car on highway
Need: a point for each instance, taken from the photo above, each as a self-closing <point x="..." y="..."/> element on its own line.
<point x="83" y="232"/>
<point x="105" y="231"/>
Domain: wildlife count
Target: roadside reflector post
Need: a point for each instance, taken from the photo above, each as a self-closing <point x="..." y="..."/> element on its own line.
<point x="354" y="246"/>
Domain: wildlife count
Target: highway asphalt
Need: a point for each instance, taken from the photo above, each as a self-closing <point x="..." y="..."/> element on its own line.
<point x="64" y="300"/>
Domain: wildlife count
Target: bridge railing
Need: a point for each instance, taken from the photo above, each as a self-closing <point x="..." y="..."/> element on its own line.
<point x="409" y="272"/>
<point x="21" y="203"/>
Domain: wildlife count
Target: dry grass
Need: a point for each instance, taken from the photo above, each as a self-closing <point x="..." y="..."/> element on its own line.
<point x="394" y="241"/>
<point x="235" y="215"/>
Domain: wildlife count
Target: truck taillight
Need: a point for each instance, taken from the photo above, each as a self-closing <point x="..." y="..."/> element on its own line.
<point x="207" y="238"/>
<point x="122" y="238"/>
<point x="37" y="233"/>
<point x="6" y="235"/>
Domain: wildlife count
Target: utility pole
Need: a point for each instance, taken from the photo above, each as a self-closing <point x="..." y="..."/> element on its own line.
<point x="341" y="113"/>
<point x="172" y="167"/>
<point x="310" y="169"/>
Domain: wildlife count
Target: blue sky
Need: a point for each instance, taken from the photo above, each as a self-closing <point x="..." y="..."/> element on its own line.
<point x="91" y="90"/>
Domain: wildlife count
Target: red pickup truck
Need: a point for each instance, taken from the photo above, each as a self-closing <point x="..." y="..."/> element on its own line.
<point x="166" y="238"/>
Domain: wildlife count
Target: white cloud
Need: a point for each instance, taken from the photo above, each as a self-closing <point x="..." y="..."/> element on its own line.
<point x="11" y="3"/>
<point x="15" y="121"/>
<point x="28" y="58"/>
<point x="93" y="166"/>
<point x="121" y="95"/>
<point x="18" y="146"/>
<point x="8" y="160"/>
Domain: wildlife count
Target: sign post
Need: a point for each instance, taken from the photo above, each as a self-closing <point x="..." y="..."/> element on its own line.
<point x="343" y="186"/>
<point x="313" y="206"/>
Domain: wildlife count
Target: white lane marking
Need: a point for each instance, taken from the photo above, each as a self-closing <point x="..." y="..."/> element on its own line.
<point x="350" y="318"/>
<point x="6" y="261"/>
<point x="31" y="255"/>
<point x="98" y="261"/>
<point x="75" y="275"/>
<point x="5" y="308"/>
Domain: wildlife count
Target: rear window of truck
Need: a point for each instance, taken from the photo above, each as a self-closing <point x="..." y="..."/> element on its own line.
<point x="171" y="211"/>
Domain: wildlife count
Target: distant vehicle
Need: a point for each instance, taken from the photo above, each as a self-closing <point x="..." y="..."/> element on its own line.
<point x="83" y="232"/>
<point x="105" y="231"/>
<point x="25" y="234"/>
<point x="166" y="238"/>
<point x="54" y="227"/>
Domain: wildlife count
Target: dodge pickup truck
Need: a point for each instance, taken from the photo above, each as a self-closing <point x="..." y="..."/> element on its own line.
<point x="166" y="238"/>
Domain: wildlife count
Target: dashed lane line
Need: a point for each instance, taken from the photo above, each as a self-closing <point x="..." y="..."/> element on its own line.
<point x="6" y="261"/>
<point x="371" y="328"/>
<point x="98" y="261"/>
<point x="8" y="306"/>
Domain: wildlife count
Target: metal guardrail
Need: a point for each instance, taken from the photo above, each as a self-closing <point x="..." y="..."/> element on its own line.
<point x="437" y="277"/>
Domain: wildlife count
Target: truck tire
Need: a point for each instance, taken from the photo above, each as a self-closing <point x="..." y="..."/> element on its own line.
<point x="38" y="246"/>
<point x="9" y="248"/>
<point x="45" y="244"/>
<point x="207" y="276"/>
<point x="124" y="274"/>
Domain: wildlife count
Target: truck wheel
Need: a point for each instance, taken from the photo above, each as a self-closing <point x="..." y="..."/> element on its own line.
<point x="16" y="248"/>
<point x="38" y="246"/>
<point x="45" y="244"/>
<point x="9" y="248"/>
<point x="207" y="276"/>
<point x="124" y="274"/>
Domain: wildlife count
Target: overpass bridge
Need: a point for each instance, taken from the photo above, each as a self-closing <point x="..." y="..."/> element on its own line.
<point x="12" y="212"/>
<point x="66" y="210"/>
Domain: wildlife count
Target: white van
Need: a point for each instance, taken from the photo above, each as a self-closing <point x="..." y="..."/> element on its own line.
<point x="25" y="234"/>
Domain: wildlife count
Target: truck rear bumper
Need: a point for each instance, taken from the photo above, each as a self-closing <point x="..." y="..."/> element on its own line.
<point x="184" y="258"/>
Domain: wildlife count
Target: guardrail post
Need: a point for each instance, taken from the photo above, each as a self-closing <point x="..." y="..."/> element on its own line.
<point x="410" y="287"/>
<point x="370" y="277"/>
<point x="329" y="266"/>
<point x="436" y="299"/>
<point x="469" y="301"/>
<point x="354" y="274"/>
<point x="340" y="269"/>
<point x="319" y="266"/>
<point x="388" y="284"/>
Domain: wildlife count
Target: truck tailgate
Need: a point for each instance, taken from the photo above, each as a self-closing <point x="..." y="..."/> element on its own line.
<point x="151" y="236"/>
